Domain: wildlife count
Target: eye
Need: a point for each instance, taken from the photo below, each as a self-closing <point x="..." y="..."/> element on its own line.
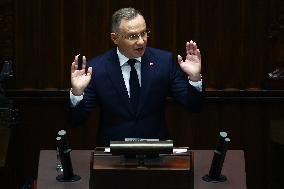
<point x="133" y="37"/>
<point x="145" y="34"/>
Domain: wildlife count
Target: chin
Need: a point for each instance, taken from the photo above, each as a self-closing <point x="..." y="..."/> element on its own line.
<point x="139" y="54"/>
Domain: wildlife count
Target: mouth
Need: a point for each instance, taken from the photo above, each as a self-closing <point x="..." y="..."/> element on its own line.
<point x="140" y="49"/>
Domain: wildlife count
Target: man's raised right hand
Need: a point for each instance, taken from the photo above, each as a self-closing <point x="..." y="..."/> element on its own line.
<point x="79" y="78"/>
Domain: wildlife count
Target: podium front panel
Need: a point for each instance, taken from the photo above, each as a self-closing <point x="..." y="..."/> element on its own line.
<point x="167" y="171"/>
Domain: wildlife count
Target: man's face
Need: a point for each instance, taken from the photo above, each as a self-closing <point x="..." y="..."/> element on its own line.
<point x="131" y="38"/>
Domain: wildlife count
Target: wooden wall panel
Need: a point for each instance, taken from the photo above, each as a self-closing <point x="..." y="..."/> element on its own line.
<point x="6" y="31"/>
<point x="232" y="36"/>
<point x="255" y="135"/>
<point x="38" y="43"/>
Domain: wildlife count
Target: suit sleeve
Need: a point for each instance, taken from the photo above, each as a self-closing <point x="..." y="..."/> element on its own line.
<point x="78" y="115"/>
<point x="182" y="91"/>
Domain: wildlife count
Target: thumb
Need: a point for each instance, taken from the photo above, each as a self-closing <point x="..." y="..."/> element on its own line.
<point x="89" y="72"/>
<point x="179" y="59"/>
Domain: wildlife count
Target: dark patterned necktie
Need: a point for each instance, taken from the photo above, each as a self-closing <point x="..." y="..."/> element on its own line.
<point x="134" y="85"/>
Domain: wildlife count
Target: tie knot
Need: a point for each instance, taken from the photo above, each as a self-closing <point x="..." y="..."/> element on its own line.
<point x="131" y="62"/>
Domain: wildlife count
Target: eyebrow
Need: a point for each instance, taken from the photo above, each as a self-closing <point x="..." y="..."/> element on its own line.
<point x="132" y="33"/>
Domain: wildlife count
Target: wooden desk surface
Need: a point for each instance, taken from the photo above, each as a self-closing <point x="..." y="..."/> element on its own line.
<point x="234" y="169"/>
<point x="47" y="170"/>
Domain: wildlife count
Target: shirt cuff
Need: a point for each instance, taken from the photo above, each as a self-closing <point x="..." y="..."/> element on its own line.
<point x="196" y="84"/>
<point x="75" y="99"/>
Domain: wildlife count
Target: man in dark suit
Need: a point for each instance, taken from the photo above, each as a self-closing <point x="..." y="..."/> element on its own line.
<point x="131" y="82"/>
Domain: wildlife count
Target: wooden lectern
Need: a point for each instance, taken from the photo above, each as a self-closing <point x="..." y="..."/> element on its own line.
<point x="167" y="171"/>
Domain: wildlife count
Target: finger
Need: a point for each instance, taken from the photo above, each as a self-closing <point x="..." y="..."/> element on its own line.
<point x="187" y="48"/>
<point x="76" y="59"/>
<point x="198" y="54"/>
<point x="194" y="48"/>
<point x="190" y="48"/>
<point x="76" y="62"/>
<point x="74" y="67"/>
<point x="179" y="59"/>
<point x="89" y="72"/>
<point x="84" y="62"/>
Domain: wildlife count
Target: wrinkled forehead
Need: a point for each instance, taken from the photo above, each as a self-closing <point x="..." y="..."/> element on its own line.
<point x="133" y="26"/>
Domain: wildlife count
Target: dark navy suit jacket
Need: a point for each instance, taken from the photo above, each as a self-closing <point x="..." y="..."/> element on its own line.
<point x="160" y="78"/>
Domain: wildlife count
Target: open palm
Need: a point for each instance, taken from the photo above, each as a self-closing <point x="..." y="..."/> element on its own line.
<point x="80" y="78"/>
<point x="192" y="64"/>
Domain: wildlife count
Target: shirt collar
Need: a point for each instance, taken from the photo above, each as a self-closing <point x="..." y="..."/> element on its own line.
<point x="123" y="59"/>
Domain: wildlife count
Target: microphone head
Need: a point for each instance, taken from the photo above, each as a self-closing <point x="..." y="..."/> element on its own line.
<point x="223" y="134"/>
<point x="62" y="137"/>
<point x="61" y="132"/>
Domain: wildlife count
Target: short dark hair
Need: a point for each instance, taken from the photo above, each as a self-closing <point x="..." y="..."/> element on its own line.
<point x="124" y="13"/>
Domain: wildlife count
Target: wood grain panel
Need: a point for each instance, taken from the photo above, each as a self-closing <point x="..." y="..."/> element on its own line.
<point x="232" y="36"/>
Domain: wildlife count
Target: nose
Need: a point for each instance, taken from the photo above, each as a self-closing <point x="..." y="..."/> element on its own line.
<point x="140" y="40"/>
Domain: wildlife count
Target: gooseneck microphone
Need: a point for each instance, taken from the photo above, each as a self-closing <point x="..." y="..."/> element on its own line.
<point x="218" y="160"/>
<point x="64" y="155"/>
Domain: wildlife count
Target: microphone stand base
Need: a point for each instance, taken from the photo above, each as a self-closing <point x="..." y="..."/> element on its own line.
<point x="61" y="178"/>
<point x="222" y="178"/>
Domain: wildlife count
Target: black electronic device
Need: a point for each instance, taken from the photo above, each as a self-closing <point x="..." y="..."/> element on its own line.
<point x="65" y="159"/>
<point x="218" y="160"/>
<point x="141" y="147"/>
<point x="141" y="152"/>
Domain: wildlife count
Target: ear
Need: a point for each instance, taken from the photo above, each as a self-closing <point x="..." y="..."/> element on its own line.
<point x="114" y="38"/>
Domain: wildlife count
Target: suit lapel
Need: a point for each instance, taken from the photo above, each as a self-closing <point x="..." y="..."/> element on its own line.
<point x="147" y="73"/>
<point x="115" y="74"/>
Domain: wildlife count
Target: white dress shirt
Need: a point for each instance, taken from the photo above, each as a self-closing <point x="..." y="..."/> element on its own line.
<point x="125" y="68"/>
